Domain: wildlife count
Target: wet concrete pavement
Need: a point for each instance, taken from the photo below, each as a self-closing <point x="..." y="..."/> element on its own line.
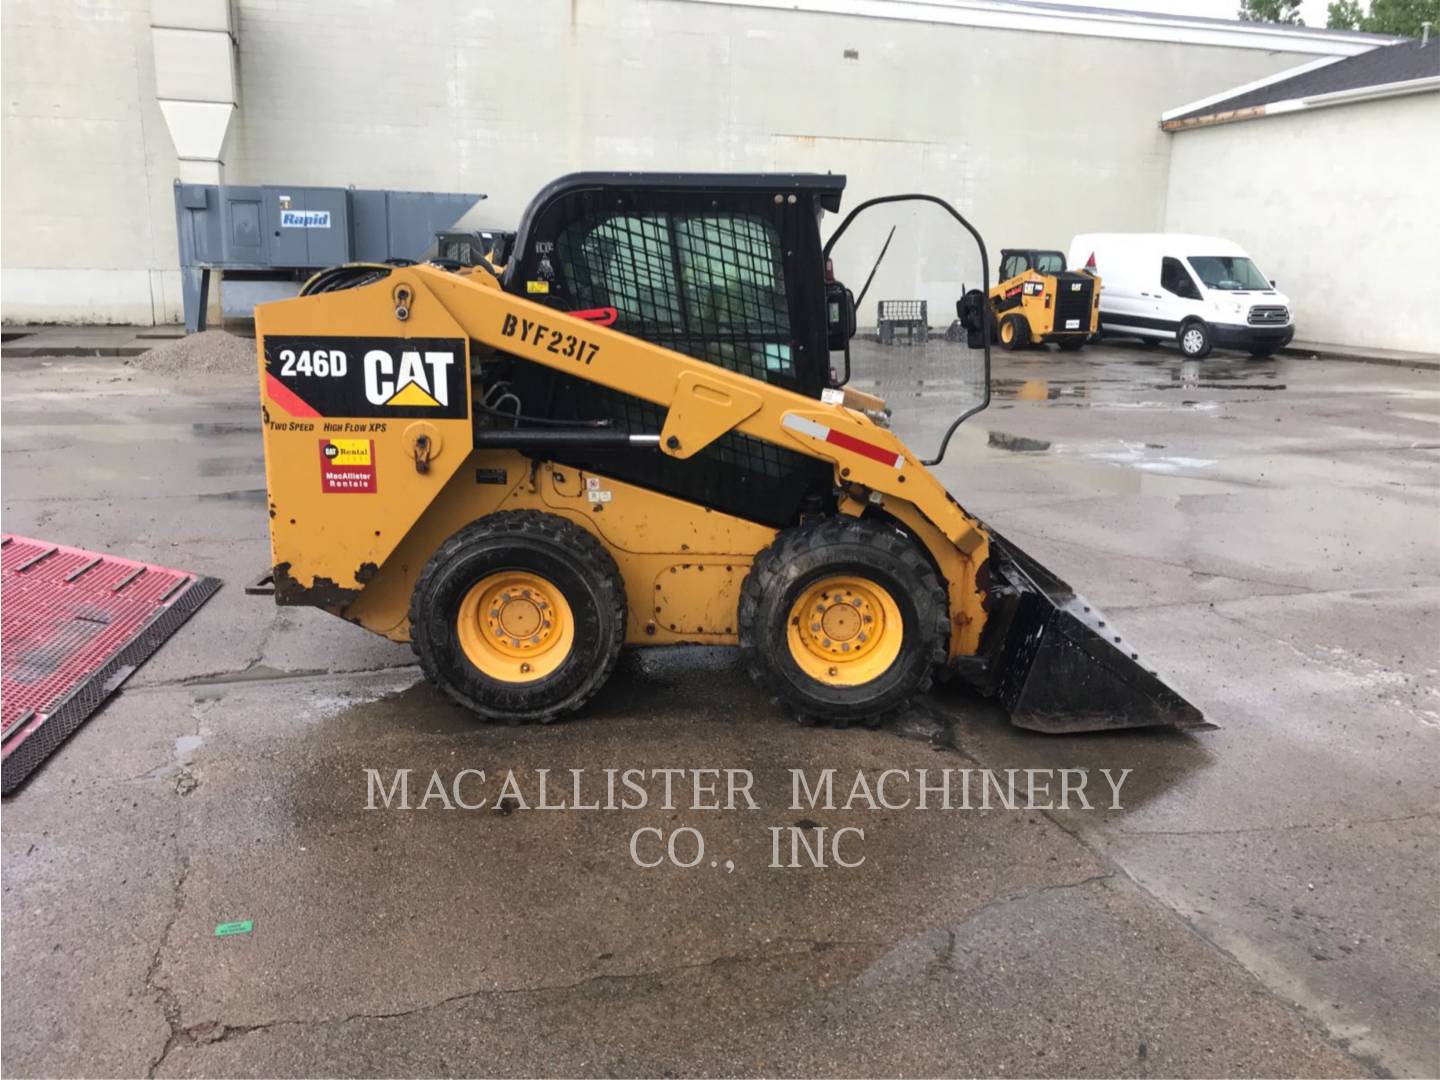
<point x="1263" y="904"/>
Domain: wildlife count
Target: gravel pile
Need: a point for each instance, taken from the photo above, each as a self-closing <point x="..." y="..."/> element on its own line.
<point x="213" y="352"/>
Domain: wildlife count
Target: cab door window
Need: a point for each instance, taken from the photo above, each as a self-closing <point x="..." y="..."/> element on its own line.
<point x="1174" y="279"/>
<point x="711" y="286"/>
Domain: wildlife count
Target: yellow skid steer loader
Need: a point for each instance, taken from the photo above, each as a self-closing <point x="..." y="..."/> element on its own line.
<point x="1036" y="301"/>
<point x="631" y="435"/>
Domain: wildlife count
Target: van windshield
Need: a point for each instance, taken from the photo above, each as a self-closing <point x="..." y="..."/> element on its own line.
<point x="1228" y="272"/>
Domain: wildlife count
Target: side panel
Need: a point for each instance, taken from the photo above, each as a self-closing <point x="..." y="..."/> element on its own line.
<point x="682" y="564"/>
<point x="361" y="429"/>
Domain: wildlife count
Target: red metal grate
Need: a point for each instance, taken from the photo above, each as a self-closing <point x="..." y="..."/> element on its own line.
<point x="73" y="626"/>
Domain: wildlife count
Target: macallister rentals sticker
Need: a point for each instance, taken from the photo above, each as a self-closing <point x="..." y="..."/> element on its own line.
<point x="347" y="465"/>
<point x="304" y="219"/>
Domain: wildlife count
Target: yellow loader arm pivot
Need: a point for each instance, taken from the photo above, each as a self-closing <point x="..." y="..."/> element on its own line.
<point x="518" y="482"/>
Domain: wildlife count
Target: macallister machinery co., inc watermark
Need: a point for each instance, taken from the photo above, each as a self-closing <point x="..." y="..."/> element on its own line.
<point x="720" y="790"/>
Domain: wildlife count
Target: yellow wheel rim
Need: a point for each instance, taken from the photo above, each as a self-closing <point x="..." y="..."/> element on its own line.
<point x="845" y="631"/>
<point x="515" y="626"/>
<point x="1007" y="331"/>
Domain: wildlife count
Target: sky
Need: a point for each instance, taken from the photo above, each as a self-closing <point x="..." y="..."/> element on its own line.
<point x="1313" y="11"/>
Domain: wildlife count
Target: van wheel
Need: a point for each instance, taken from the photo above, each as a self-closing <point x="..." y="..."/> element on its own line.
<point x="1014" y="332"/>
<point x="1195" y="340"/>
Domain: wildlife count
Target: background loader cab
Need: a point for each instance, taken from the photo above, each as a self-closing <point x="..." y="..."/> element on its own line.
<point x="1037" y="300"/>
<point x="1201" y="292"/>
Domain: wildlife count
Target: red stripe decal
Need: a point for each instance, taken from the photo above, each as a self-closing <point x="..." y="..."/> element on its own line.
<point x="605" y="316"/>
<point x="286" y="398"/>
<point x="864" y="449"/>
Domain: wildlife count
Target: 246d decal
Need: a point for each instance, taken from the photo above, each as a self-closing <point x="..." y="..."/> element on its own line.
<point x="368" y="377"/>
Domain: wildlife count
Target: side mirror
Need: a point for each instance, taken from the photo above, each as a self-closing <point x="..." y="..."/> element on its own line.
<point x="839" y="316"/>
<point x="1272" y="283"/>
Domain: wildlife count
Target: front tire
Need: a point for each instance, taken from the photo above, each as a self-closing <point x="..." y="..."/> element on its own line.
<point x="1014" y="332"/>
<point x="519" y="617"/>
<point x="1195" y="340"/>
<point x="844" y="620"/>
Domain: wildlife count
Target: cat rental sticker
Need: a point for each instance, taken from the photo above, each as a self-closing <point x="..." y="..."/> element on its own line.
<point x="347" y="465"/>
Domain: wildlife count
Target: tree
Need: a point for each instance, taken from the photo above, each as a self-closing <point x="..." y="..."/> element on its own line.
<point x="1274" y="11"/>
<point x="1344" y="15"/>
<point x="1400" y="17"/>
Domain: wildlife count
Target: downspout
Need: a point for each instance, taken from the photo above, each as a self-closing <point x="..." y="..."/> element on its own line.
<point x="194" y="42"/>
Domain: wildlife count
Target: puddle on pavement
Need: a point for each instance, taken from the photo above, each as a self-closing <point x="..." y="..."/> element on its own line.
<point x="248" y="495"/>
<point x="219" y="466"/>
<point x="1003" y="440"/>
<point x="224" y="427"/>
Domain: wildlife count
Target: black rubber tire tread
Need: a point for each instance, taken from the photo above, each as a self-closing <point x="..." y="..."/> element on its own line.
<point x="815" y="549"/>
<point x="1071" y="344"/>
<point x="1021" y="337"/>
<point x="530" y="540"/>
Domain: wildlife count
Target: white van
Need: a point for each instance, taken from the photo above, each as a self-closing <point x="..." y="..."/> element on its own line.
<point x="1199" y="291"/>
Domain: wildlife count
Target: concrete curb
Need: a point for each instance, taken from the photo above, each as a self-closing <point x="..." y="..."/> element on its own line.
<point x="20" y="352"/>
<point x="1328" y="352"/>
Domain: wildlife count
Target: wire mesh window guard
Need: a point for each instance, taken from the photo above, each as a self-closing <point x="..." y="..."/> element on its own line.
<point x="709" y="286"/>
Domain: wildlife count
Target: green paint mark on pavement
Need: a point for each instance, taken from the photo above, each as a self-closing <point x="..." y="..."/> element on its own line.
<point x="225" y="929"/>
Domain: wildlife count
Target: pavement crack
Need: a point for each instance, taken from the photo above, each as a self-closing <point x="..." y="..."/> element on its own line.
<point x="164" y="994"/>
<point x="1262" y="829"/>
<point x="217" y="1031"/>
<point x="253" y="673"/>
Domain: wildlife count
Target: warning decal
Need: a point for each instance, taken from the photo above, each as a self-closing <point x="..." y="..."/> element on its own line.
<point x="347" y="465"/>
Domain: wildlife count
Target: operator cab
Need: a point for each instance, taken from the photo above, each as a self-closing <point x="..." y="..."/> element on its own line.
<point x="723" y="267"/>
<point x="1015" y="261"/>
<point x="726" y="268"/>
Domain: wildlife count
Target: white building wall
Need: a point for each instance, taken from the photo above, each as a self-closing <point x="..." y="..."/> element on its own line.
<point x="1036" y="136"/>
<point x="1338" y="205"/>
<point x="86" y="209"/>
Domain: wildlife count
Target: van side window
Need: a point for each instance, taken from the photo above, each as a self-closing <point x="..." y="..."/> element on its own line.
<point x="1174" y="279"/>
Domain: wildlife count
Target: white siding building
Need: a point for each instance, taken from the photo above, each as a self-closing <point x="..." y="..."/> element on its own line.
<point x="1038" y="121"/>
<point x="1329" y="178"/>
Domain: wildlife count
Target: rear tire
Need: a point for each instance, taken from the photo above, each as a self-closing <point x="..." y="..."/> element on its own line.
<point x="1195" y="341"/>
<point x="1014" y="332"/>
<point x="874" y="626"/>
<point x="1071" y="344"/>
<point x="519" y="617"/>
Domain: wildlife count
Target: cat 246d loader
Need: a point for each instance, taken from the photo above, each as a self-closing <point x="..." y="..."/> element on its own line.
<point x="630" y="434"/>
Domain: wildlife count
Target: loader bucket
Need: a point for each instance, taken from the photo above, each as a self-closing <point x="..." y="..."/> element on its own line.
<point x="1060" y="666"/>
